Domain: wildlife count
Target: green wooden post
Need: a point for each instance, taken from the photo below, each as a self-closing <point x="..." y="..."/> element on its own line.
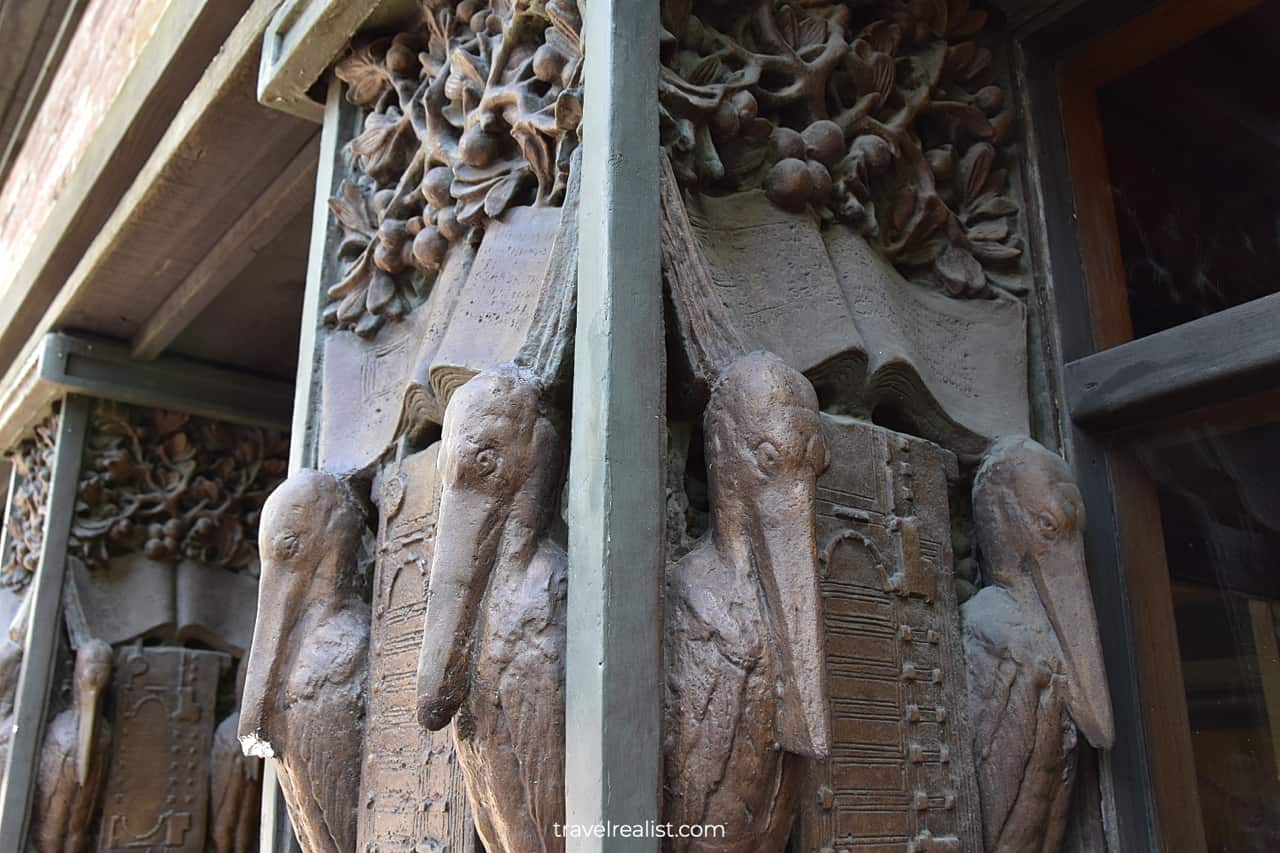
<point x="44" y="629"/>
<point x="616" y="487"/>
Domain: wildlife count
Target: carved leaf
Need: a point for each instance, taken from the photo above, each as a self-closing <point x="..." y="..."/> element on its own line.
<point x="990" y="206"/>
<point x="352" y="211"/>
<point x="365" y="74"/>
<point x="996" y="252"/>
<point x="974" y="169"/>
<point x="960" y="272"/>
<point x="956" y="122"/>
<point x="992" y="230"/>
<point x="705" y="72"/>
<point x="386" y="146"/>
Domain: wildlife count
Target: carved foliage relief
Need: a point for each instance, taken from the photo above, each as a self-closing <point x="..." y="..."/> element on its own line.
<point x="24" y="524"/>
<point x="174" y="486"/>
<point x="886" y="115"/>
<point x="472" y="111"/>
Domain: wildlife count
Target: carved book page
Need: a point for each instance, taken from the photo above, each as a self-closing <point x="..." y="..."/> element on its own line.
<point x="831" y="307"/>
<point x="496" y="308"/>
<point x="968" y="355"/>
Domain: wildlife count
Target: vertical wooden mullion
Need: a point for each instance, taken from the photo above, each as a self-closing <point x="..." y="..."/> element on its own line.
<point x="44" y="626"/>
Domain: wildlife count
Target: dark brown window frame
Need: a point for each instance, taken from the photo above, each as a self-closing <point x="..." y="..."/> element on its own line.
<point x="1222" y="367"/>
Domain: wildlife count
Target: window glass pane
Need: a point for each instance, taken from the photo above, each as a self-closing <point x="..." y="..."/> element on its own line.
<point x="1220" y="507"/>
<point x="1193" y="150"/>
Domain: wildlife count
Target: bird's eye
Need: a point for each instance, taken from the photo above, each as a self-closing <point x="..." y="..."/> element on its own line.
<point x="767" y="456"/>
<point x="486" y="462"/>
<point x="1048" y="524"/>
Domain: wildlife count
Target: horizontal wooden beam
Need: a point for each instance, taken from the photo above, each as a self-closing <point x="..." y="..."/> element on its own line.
<point x="261" y="223"/>
<point x="1212" y="360"/>
<point x="100" y="368"/>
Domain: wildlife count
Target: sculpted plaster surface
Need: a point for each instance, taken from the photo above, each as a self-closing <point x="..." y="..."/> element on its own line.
<point x="1036" y="677"/>
<point x="840" y="246"/>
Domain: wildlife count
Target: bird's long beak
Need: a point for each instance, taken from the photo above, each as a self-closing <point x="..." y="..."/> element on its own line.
<point x="90" y="705"/>
<point x="467" y="535"/>
<point x="278" y="594"/>
<point x="1062" y="583"/>
<point x="786" y="556"/>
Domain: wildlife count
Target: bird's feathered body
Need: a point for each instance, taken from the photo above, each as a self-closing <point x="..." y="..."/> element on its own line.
<point x="510" y="730"/>
<point x="320" y="748"/>
<point x="722" y="764"/>
<point x="1022" y="730"/>
<point x="235" y="791"/>
<point x="73" y="758"/>
<point x="63" y="807"/>
<point x="306" y="684"/>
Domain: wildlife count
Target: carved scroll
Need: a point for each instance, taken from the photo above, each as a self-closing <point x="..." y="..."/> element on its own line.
<point x="412" y="791"/>
<point x="901" y="772"/>
<point x="157" y="794"/>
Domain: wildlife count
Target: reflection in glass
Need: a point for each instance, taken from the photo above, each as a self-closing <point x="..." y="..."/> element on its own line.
<point x="1220" y="506"/>
<point x="1194" y="159"/>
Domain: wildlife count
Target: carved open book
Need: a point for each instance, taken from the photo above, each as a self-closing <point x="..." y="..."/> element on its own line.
<point x="950" y="370"/>
<point x="135" y="597"/>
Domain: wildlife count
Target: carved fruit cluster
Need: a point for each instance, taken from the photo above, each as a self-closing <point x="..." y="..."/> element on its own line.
<point x="471" y="111"/>
<point x="173" y="486"/>
<point x="24" y="527"/>
<point x="881" y="114"/>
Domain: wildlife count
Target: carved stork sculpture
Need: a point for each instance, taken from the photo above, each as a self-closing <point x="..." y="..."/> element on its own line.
<point x="1034" y="661"/>
<point x="305" y="690"/>
<point x="492" y="655"/>
<point x="73" y="762"/>
<point x="746" y="692"/>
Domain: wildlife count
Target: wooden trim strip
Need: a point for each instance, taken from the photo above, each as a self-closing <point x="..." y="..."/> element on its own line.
<point x="44" y="627"/>
<point x="1212" y="360"/>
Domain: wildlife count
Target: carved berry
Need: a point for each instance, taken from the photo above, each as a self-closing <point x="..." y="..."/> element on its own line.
<point x="435" y="186"/>
<point x="823" y="142"/>
<point x="789" y="184"/>
<point x="786" y="144"/>
<point x="429" y="249"/>
<point x="549" y="64"/>
<point x="478" y="147"/>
